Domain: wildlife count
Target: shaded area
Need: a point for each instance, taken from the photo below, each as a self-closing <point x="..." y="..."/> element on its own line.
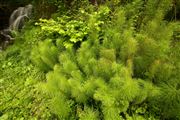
<point x="4" y="17"/>
<point x="12" y="21"/>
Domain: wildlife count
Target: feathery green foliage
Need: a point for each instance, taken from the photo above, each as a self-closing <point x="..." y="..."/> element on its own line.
<point x="115" y="61"/>
<point x="115" y="65"/>
<point x="98" y="74"/>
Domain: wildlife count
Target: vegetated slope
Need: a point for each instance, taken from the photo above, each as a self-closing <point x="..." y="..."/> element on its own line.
<point x="111" y="62"/>
<point x="20" y="97"/>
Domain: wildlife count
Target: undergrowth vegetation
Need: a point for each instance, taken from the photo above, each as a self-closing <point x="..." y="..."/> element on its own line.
<point x="115" y="61"/>
<point x="19" y="89"/>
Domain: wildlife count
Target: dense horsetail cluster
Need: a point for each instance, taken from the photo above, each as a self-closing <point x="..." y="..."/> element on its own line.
<point x="94" y="60"/>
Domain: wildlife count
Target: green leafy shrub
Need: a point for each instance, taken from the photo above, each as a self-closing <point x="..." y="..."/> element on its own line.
<point x="64" y="33"/>
<point x="72" y="30"/>
<point x="113" y="63"/>
<point x="96" y="76"/>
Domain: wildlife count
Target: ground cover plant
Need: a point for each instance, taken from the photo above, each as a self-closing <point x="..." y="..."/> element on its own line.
<point x="19" y="91"/>
<point x="111" y="60"/>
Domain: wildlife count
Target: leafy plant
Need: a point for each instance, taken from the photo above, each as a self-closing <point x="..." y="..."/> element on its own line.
<point x="19" y="78"/>
<point x="114" y="61"/>
<point x="121" y="62"/>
